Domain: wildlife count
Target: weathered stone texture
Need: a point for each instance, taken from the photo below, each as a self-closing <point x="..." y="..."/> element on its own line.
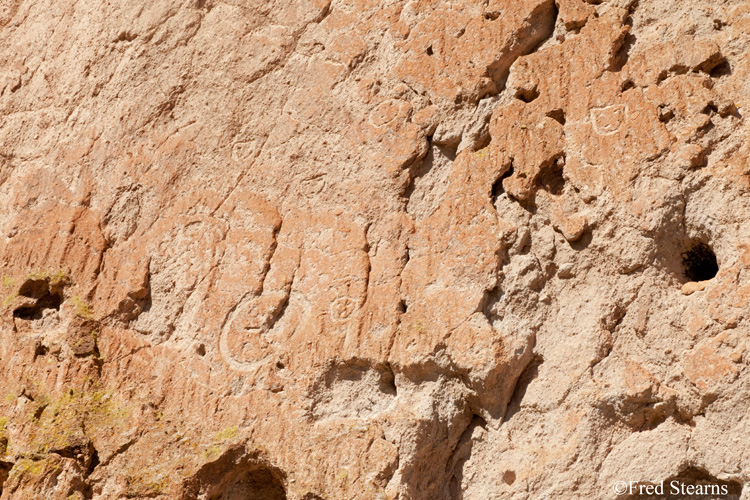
<point x="414" y="250"/>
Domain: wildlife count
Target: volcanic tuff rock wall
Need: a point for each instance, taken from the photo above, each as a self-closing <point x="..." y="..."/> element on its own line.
<point x="373" y="249"/>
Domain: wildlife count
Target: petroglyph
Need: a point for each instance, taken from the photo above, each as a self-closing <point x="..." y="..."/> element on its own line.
<point x="313" y="186"/>
<point x="425" y="250"/>
<point x="246" y="150"/>
<point x="388" y="111"/>
<point x="342" y="308"/>
<point x="609" y="120"/>
<point x="246" y="342"/>
<point x="257" y="322"/>
<point x="292" y="298"/>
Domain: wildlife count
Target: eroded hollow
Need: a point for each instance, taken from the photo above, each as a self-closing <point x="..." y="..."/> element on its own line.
<point x="558" y="115"/>
<point x="527" y="94"/>
<point x="497" y="187"/>
<point x="257" y="482"/>
<point x="353" y="389"/>
<point x="5" y="467"/>
<point x="528" y="375"/>
<point x="46" y="298"/>
<point x="723" y="68"/>
<point x="552" y="179"/>
<point x="699" y="262"/>
<point x="236" y="475"/>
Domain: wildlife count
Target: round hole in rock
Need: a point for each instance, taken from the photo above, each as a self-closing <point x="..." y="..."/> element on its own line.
<point x="699" y="262"/>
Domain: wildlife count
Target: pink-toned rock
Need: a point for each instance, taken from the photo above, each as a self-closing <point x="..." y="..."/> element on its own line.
<point x="691" y="287"/>
<point x="372" y="250"/>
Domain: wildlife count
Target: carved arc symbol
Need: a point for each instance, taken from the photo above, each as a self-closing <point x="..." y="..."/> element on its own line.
<point x="608" y="120"/>
<point x="245" y="151"/>
<point x="386" y="112"/>
<point x="313" y="186"/>
<point x="251" y="334"/>
<point x="255" y="320"/>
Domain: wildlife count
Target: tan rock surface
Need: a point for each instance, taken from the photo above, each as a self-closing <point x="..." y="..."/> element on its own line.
<point x="413" y="250"/>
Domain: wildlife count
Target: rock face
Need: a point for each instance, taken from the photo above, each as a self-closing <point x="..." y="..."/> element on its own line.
<point x="413" y="250"/>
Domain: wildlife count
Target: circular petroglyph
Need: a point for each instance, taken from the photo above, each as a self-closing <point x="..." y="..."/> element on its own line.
<point x="387" y="111"/>
<point x="342" y="308"/>
<point x="313" y="186"/>
<point x="242" y="342"/>
<point x="608" y="120"/>
<point x="245" y="150"/>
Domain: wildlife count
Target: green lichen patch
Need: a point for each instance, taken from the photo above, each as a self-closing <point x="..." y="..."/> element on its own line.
<point x="59" y="276"/>
<point x="482" y="152"/>
<point x="82" y="308"/>
<point x="33" y="468"/>
<point x="228" y="433"/>
<point x="146" y="483"/>
<point x="9" y="299"/>
<point x="10" y="397"/>
<point x="214" y="450"/>
<point x="343" y="475"/>
<point x="211" y="453"/>
<point x="4" y="442"/>
<point x="73" y="419"/>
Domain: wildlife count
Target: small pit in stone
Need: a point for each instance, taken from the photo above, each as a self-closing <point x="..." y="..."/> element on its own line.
<point x="710" y="109"/>
<point x="723" y="68"/>
<point x="627" y="85"/>
<point x="699" y="262"/>
<point x="558" y="115"/>
<point x="41" y="350"/>
<point x="665" y="113"/>
<point x="527" y="95"/>
<point x="401" y="307"/>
